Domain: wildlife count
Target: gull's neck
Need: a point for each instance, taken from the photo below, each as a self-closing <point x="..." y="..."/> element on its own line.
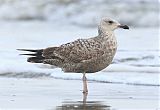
<point x="104" y="32"/>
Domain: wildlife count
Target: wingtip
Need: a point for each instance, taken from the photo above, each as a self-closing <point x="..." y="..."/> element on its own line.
<point x="30" y="50"/>
<point x="21" y="49"/>
<point x="28" y="54"/>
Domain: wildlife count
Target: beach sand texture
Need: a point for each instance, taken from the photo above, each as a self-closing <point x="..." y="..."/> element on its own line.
<point x="57" y="94"/>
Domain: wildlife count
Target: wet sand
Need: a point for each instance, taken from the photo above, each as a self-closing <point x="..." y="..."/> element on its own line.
<point x="57" y="94"/>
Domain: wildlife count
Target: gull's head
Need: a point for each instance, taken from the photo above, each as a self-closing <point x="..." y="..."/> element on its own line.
<point x="111" y="24"/>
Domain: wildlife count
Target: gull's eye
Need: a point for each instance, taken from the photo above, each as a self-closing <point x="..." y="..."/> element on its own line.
<point x="110" y="22"/>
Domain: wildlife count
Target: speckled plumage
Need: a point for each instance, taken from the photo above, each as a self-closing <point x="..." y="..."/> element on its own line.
<point x="83" y="55"/>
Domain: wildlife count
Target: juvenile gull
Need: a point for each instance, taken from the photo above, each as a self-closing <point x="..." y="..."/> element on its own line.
<point x="83" y="55"/>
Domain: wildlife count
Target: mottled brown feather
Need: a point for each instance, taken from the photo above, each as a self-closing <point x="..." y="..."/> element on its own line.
<point x="76" y="52"/>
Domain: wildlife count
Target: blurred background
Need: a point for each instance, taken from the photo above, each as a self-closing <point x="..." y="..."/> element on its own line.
<point x="42" y="23"/>
<point x="37" y="24"/>
<point x="85" y="13"/>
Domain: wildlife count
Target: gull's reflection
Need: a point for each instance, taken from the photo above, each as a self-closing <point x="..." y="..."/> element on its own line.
<point x="83" y="105"/>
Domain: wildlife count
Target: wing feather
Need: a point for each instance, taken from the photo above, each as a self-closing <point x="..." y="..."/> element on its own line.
<point x="77" y="51"/>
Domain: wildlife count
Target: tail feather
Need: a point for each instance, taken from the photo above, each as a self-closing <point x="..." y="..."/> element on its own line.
<point x="38" y="57"/>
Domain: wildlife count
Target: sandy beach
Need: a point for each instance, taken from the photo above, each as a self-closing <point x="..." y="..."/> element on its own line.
<point x="57" y="94"/>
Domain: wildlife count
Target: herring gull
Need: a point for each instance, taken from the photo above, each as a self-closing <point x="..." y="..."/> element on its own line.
<point x="82" y="55"/>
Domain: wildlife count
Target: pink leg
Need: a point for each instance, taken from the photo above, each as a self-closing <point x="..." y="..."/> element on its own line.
<point x="85" y="90"/>
<point x="85" y="98"/>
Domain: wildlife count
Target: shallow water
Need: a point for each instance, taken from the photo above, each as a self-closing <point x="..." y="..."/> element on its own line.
<point x="52" y="94"/>
<point x="80" y="105"/>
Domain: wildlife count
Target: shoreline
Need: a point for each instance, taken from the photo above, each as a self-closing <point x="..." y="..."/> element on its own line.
<point x="58" y="94"/>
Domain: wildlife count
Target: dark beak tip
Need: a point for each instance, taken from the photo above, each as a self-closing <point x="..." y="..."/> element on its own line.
<point x="124" y="26"/>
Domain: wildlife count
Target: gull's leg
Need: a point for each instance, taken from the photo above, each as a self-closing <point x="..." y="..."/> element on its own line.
<point x="85" y="101"/>
<point x="85" y="97"/>
<point x="85" y="90"/>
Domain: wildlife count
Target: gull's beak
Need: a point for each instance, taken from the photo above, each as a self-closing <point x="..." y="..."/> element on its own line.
<point x="123" y="26"/>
